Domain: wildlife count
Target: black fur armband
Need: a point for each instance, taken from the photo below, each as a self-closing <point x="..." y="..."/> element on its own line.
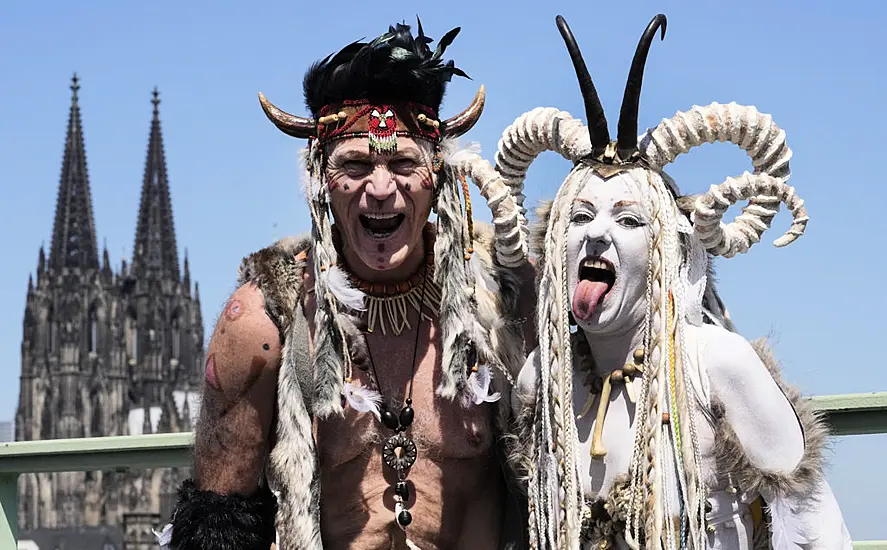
<point x="204" y="520"/>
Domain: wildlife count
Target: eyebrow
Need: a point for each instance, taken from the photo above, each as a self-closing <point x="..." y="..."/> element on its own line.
<point x="411" y="153"/>
<point x="352" y="154"/>
<point x="623" y="204"/>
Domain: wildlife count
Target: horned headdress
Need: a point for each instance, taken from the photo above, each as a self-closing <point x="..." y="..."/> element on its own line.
<point x="391" y="86"/>
<point x="682" y="243"/>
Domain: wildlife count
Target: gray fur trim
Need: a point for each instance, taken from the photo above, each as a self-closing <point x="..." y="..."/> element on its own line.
<point x="293" y="469"/>
<point x="731" y="459"/>
<point x="278" y="274"/>
<point x="497" y="314"/>
<point x="455" y="317"/>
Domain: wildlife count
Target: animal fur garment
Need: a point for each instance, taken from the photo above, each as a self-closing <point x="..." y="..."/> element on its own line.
<point x="293" y="466"/>
<point x="204" y="520"/>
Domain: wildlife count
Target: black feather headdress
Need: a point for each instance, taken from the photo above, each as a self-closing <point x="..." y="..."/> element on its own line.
<point x="393" y="67"/>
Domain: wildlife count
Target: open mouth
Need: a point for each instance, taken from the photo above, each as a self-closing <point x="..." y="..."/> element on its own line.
<point x="596" y="277"/>
<point x="381" y="225"/>
<point x="597" y="270"/>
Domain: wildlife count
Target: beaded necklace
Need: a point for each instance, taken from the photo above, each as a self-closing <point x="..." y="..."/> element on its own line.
<point x="400" y="452"/>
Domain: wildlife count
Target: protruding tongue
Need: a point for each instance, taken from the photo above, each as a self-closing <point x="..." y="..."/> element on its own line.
<point x="585" y="299"/>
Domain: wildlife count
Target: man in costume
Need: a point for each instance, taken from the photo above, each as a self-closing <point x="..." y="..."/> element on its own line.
<point x="648" y="421"/>
<point x="358" y="380"/>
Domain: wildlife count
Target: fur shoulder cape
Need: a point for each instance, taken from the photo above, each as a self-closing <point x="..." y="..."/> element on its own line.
<point x="292" y="469"/>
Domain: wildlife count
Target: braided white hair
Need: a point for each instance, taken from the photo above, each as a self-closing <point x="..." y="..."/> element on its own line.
<point x="666" y="454"/>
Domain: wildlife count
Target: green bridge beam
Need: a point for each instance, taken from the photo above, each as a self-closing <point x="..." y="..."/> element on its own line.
<point x="854" y="414"/>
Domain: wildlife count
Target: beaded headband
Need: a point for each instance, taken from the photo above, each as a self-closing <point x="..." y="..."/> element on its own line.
<point x="380" y="123"/>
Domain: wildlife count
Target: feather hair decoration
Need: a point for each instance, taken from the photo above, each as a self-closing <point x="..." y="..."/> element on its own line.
<point x="363" y="399"/>
<point x="479" y="386"/>
<point x="343" y="290"/>
<point x="456" y="155"/>
<point x="395" y="65"/>
<point x="164" y="537"/>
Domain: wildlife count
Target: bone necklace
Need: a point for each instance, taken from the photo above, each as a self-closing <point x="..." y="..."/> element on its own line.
<point x="388" y="304"/>
<point x="399" y="452"/>
<point x="603" y="385"/>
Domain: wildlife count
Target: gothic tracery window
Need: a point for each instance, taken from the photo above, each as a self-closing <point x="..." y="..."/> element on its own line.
<point x="176" y="337"/>
<point x="93" y="330"/>
<point x="132" y="338"/>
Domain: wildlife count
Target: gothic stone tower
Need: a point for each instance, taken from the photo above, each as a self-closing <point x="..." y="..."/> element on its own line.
<point x="106" y="353"/>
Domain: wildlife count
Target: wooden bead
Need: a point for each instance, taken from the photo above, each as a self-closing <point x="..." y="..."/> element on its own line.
<point x="639" y="355"/>
<point x="617" y="376"/>
<point x="630" y="370"/>
<point x="666" y="418"/>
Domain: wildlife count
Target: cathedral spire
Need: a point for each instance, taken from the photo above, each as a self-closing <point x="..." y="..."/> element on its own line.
<point x="155" y="253"/>
<point x="73" y="233"/>
<point x="187" y="277"/>
<point x="41" y="263"/>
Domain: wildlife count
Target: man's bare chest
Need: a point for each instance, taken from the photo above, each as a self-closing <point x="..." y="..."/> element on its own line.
<point x="441" y="428"/>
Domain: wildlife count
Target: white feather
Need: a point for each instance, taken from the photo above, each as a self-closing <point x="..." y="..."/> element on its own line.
<point x="341" y="288"/>
<point x="479" y="386"/>
<point x="455" y="155"/>
<point x="164" y="537"/>
<point x="787" y="526"/>
<point x="363" y="399"/>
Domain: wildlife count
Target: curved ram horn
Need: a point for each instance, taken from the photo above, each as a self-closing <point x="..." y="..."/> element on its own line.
<point x="627" y="138"/>
<point x="290" y="125"/>
<point x="464" y="121"/>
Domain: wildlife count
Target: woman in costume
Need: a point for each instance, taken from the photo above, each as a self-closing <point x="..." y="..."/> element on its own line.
<point x="647" y="421"/>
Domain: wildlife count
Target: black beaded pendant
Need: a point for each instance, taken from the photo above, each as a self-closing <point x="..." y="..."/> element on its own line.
<point x="402" y="490"/>
<point x="389" y="419"/>
<point x="406" y="417"/>
<point x="404" y="518"/>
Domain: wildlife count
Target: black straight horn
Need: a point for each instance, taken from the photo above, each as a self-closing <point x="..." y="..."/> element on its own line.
<point x="627" y="137"/>
<point x="597" y="122"/>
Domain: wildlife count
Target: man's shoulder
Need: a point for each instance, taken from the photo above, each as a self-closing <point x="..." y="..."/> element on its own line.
<point x="278" y="271"/>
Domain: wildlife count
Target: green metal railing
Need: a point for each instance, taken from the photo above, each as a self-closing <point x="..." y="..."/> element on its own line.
<point x="846" y="414"/>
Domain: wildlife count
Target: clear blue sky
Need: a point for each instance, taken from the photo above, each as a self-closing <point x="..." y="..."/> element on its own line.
<point x="816" y="66"/>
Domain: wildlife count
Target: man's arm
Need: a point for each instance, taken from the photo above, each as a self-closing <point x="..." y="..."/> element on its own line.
<point x="238" y="396"/>
<point x="224" y="507"/>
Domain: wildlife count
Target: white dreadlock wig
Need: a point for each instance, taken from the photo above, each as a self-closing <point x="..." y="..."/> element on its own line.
<point x="666" y="455"/>
<point x="336" y="91"/>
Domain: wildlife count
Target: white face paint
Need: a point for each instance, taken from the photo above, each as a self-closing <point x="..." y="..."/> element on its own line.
<point x="607" y="250"/>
